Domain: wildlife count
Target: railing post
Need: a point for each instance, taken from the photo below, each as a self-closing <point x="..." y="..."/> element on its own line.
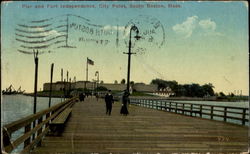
<point x="175" y="107"/>
<point x="201" y="111"/>
<point x="225" y="114"/>
<point x="165" y="105"/>
<point x="6" y="139"/>
<point x="191" y="108"/>
<point x="34" y="125"/>
<point x="183" y="106"/>
<point x="243" y="116"/>
<point x="47" y="116"/>
<point x="40" y="120"/>
<point x="170" y="108"/>
<point x="27" y="128"/>
<point x="212" y="112"/>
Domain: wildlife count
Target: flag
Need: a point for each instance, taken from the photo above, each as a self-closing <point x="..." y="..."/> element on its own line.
<point x="89" y="61"/>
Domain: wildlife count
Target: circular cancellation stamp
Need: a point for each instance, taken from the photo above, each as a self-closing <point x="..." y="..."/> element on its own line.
<point x="151" y="31"/>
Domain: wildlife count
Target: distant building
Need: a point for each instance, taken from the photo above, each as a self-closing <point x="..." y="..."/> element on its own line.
<point x="166" y="92"/>
<point x="58" y="86"/>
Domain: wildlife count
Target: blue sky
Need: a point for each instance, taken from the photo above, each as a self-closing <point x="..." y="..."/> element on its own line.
<point x="203" y="42"/>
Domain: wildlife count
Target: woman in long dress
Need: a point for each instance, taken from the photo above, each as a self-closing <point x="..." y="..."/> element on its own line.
<point x="125" y="100"/>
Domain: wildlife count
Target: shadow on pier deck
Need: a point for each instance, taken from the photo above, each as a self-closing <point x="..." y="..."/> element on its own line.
<point x="144" y="130"/>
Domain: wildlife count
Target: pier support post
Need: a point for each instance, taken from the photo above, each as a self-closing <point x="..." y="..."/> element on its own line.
<point x="35" y="87"/>
<point x="35" y="84"/>
<point x="51" y="78"/>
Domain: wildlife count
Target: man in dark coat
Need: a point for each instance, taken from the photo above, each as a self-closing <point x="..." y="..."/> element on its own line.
<point x="109" y="101"/>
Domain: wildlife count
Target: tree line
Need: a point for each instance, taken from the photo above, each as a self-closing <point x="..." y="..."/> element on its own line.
<point x="187" y="90"/>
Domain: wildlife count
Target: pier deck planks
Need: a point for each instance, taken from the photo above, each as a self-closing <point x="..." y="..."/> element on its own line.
<point x="144" y="130"/>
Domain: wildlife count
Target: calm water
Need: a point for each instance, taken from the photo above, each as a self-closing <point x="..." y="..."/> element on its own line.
<point x="15" y="107"/>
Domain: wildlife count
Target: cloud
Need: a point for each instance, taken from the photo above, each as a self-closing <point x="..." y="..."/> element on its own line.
<point x="186" y="28"/>
<point x="45" y="32"/>
<point x="113" y="28"/>
<point x="207" y="25"/>
<point x="109" y="27"/>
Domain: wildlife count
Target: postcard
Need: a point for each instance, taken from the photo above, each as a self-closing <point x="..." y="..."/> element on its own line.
<point x="124" y="76"/>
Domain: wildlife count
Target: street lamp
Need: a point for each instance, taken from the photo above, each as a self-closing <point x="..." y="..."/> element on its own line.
<point x="137" y="37"/>
<point x="97" y="74"/>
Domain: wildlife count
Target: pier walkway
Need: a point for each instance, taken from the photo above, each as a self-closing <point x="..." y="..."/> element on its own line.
<point x="90" y="130"/>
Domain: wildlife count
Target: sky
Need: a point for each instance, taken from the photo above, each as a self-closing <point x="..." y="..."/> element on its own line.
<point x="189" y="42"/>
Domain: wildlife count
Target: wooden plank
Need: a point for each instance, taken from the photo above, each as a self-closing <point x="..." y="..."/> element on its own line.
<point x="61" y="118"/>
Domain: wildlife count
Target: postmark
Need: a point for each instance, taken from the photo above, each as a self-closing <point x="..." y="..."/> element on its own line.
<point x="64" y="31"/>
<point x="151" y="31"/>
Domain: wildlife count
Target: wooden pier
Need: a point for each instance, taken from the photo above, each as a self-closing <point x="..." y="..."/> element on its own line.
<point x="144" y="130"/>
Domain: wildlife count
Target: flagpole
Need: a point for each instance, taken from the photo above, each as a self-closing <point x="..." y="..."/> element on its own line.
<point x="86" y="72"/>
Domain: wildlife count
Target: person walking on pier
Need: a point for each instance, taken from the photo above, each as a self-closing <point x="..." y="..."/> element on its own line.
<point x="109" y="101"/>
<point x="125" y="101"/>
<point x="81" y="96"/>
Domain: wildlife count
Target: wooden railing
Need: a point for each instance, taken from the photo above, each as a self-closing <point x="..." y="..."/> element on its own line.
<point x="202" y="110"/>
<point x="32" y="135"/>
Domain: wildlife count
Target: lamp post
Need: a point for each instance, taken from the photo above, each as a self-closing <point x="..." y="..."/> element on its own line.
<point x="97" y="75"/>
<point x="133" y="28"/>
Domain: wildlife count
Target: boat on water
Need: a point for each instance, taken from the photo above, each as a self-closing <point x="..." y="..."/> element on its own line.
<point x="11" y="91"/>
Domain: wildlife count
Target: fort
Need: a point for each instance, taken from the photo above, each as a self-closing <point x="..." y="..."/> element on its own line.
<point x="58" y="86"/>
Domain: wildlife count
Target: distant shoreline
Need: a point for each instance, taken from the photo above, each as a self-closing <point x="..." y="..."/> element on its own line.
<point x="44" y="95"/>
<point x="187" y="99"/>
<point x="59" y="95"/>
